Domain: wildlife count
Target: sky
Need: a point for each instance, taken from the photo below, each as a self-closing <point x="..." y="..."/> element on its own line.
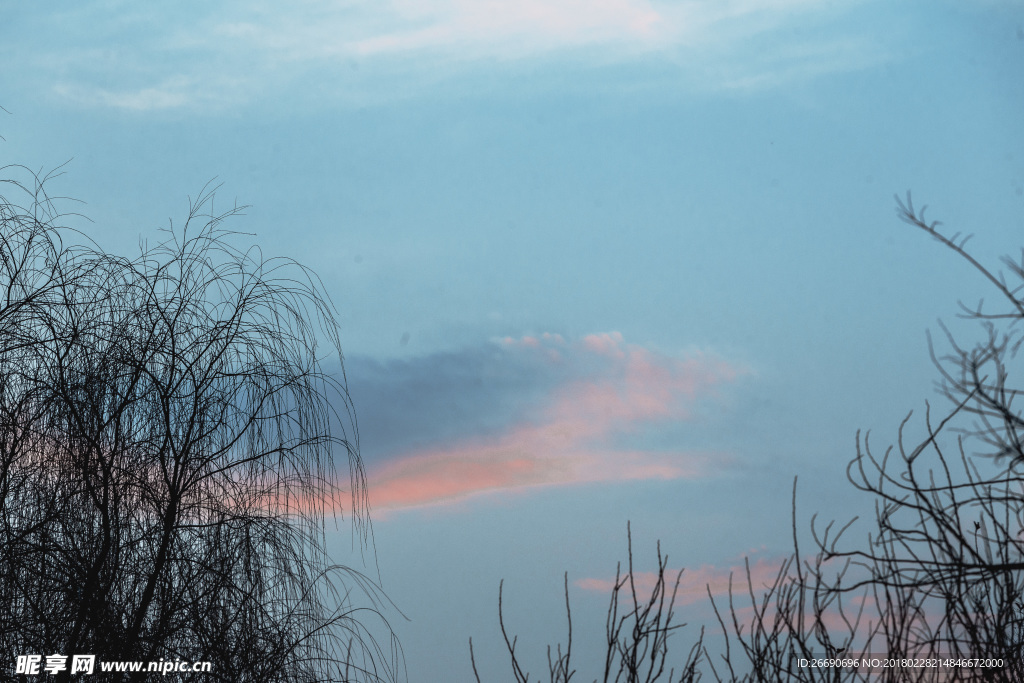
<point x="595" y="262"/>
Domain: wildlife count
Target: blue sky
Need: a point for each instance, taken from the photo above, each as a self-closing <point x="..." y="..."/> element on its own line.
<point x="595" y="261"/>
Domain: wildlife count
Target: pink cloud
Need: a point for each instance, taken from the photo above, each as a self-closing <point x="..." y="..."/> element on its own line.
<point x="855" y="623"/>
<point x="695" y="583"/>
<point x="606" y="343"/>
<point x="757" y="577"/>
<point x="569" y="438"/>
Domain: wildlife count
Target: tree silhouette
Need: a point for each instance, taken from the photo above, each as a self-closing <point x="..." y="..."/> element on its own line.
<point x="935" y="593"/>
<point x="168" y="442"/>
<point x="636" y="634"/>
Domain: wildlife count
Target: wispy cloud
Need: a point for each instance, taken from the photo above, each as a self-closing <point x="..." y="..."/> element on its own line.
<point x="170" y="94"/>
<point x="516" y="29"/>
<point x="143" y="58"/>
<point x="695" y="584"/>
<point x="510" y="29"/>
<point x="597" y="401"/>
<point x="743" y="587"/>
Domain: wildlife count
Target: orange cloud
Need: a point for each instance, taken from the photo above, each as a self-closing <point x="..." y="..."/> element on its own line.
<point x="568" y="439"/>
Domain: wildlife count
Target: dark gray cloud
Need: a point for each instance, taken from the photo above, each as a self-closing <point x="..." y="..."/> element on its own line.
<point x="422" y="401"/>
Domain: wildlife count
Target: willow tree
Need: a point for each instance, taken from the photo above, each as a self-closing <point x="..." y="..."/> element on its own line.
<point x="169" y="441"/>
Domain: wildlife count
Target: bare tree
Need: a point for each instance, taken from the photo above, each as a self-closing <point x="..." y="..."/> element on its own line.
<point x="804" y="614"/>
<point x="637" y="637"/>
<point x="935" y="593"/>
<point x="168" y="443"/>
<point x="940" y="577"/>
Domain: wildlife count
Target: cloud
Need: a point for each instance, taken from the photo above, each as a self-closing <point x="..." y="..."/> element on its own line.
<point x="517" y="29"/>
<point x="567" y="413"/>
<point x="732" y="586"/>
<point x="695" y="584"/>
<point x="731" y="44"/>
<point x="145" y="58"/>
<point x="171" y="94"/>
<point x="509" y="30"/>
<point x="764" y="588"/>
